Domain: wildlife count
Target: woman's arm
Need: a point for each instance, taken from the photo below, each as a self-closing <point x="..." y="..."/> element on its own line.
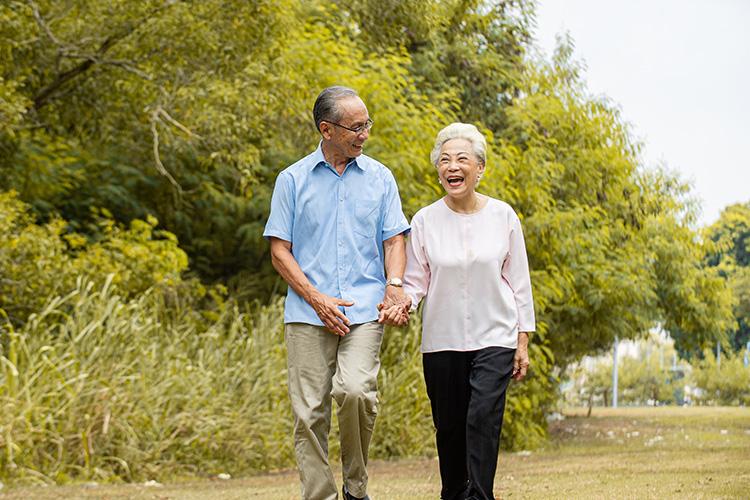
<point x="417" y="275"/>
<point x="516" y="273"/>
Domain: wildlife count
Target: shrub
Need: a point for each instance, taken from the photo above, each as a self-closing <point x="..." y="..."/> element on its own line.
<point x="727" y="383"/>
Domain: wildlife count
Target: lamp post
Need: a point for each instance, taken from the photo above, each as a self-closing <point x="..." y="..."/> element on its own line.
<point x="718" y="354"/>
<point x="614" y="374"/>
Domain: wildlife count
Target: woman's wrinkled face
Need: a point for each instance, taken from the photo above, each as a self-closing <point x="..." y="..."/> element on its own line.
<point x="458" y="168"/>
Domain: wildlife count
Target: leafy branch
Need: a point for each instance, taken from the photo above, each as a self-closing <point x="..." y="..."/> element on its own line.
<point x="88" y="59"/>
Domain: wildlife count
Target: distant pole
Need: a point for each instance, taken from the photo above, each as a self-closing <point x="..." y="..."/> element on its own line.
<point x="614" y="375"/>
<point x="747" y="354"/>
<point x="661" y="357"/>
<point x="718" y="354"/>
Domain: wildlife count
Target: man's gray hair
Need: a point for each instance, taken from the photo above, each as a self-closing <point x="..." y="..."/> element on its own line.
<point x="461" y="131"/>
<point x="326" y="107"/>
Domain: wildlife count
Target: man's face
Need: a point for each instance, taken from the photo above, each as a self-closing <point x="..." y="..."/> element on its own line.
<point x="346" y="142"/>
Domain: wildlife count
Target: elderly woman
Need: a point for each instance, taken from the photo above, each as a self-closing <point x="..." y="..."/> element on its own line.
<point x="467" y="259"/>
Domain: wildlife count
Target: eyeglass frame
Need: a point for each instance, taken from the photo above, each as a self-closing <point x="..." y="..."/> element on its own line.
<point x="359" y="130"/>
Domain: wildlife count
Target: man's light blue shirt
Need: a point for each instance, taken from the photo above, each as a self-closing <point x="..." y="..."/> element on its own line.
<point x="336" y="225"/>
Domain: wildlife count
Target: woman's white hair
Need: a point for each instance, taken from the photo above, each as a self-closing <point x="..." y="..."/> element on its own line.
<point x="461" y="131"/>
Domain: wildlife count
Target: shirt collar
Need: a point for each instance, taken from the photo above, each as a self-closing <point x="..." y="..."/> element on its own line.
<point x="319" y="159"/>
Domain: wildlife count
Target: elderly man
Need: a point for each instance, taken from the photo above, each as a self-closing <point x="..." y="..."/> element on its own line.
<point x="336" y="231"/>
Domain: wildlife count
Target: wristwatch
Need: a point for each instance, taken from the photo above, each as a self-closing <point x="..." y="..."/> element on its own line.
<point x="395" y="282"/>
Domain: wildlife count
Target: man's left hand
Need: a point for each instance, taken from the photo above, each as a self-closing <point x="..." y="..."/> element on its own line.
<point x="396" y="315"/>
<point x="394" y="310"/>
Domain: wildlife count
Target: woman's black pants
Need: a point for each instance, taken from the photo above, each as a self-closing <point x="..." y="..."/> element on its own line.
<point x="467" y="395"/>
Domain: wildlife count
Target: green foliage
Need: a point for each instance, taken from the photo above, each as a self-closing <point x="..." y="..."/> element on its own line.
<point x="184" y="112"/>
<point x="650" y="378"/>
<point x="473" y="48"/>
<point x="529" y="402"/>
<point x="404" y="413"/>
<point x="101" y="387"/>
<point x="648" y="374"/>
<point x="590" y="384"/>
<point x="727" y="383"/>
<point x="610" y="244"/>
<point x="730" y="256"/>
<point x="39" y="261"/>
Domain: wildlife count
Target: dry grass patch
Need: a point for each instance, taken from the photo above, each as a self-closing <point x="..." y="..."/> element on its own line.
<point x="617" y="453"/>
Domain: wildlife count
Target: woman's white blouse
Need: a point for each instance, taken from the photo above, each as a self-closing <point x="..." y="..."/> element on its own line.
<point x="473" y="273"/>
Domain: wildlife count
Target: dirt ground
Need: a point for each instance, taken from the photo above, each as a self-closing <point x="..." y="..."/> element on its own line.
<point x="665" y="452"/>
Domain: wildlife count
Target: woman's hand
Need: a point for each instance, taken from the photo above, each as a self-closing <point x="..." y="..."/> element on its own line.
<point x="396" y="314"/>
<point x="521" y="359"/>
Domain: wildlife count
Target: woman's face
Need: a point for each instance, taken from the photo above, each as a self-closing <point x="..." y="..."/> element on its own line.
<point x="458" y="168"/>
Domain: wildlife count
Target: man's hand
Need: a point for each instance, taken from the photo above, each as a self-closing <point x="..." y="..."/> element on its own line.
<point x="394" y="310"/>
<point x="396" y="315"/>
<point x="327" y="309"/>
<point x="394" y="295"/>
<point x="521" y="359"/>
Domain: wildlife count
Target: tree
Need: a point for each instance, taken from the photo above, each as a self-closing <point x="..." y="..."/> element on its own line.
<point x="180" y="111"/>
<point x="731" y="257"/>
<point x="728" y="384"/>
<point x="610" y="242"/>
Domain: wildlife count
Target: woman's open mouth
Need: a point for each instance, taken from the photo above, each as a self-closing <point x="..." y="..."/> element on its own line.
<point x="454" y="180"/>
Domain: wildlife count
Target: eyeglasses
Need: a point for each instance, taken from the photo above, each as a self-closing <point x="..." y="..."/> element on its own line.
<point x="357" y="130"/>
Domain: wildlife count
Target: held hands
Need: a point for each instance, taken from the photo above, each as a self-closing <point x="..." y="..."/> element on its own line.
<point x="327" y="309"/>
<point x="396" y="315"/>
<point x="394" y="310"/>
<point x="521" y="359"/>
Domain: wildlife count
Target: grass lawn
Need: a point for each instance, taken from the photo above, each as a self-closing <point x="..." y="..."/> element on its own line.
<point x="665" y="452"/>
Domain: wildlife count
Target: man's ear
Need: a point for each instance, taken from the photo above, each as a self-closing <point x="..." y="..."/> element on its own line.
<point x="326" y="129"/>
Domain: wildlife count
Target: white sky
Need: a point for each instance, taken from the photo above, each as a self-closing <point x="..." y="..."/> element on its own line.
<point x="680" y="72"/>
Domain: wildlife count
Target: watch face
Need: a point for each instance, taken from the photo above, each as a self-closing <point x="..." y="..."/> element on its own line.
<point x="395" y="282"/>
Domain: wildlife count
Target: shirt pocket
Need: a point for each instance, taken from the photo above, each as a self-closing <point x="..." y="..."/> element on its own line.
<point x="366" y="216"/>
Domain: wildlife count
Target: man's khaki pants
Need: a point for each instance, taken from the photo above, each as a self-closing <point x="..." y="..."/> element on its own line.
<point x="320" y="365"/>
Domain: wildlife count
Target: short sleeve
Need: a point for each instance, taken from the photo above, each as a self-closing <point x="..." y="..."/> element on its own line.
<point x="281" y="219"/>
<point x="394" y="221"/>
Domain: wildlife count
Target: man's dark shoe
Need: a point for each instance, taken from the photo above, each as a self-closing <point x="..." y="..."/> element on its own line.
<point x="349" y="496"/>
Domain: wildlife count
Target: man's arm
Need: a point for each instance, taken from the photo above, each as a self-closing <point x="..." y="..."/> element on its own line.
<point x="326" y="307"/>
<point x="394" y="249"/>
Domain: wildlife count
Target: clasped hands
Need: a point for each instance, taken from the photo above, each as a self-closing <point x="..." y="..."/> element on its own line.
<point x="394" y="310"/>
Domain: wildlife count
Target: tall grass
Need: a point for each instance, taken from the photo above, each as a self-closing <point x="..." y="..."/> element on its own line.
<point x="103" y="388"/>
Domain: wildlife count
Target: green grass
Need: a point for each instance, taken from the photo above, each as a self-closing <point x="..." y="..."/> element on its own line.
<point x="663" y="452"/>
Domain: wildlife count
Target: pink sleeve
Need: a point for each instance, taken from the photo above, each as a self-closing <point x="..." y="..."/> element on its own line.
<point x="417" y="275"/>
<point x="516" y="273"/>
